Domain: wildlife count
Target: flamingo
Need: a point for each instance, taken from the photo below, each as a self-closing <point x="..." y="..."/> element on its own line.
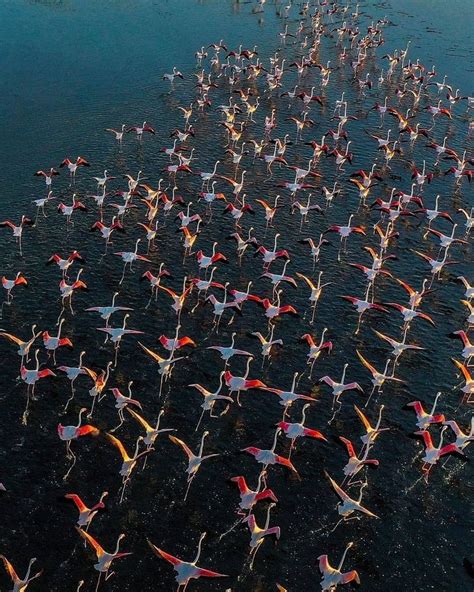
<point x="24" y="347"/>
<point x="268" y="457"/>
<point x="378" y="378"/>
<point x="65" y="264"/>
<point x="186" y="570"/>
<point x="210" y="399"/>
<point x="115" y="334"/>
<point x="287" y="398"/>
<point x="468" y="388"/>
<point x="434" y="453"/>
<point x="248" y="497"/>
<point x="69" y="433"/>
<point x="174" y="74"/>
<point x="462" y="438"/>
<point x="122" y="402"/>
<point x="86" y="514"/>
<point x="152" y="432"/>
<point x="129" y="463"/>
<point x="228" y="352"/>
<point x="73" y="373"/>
<point x="332" y="576"/>
<point x="356" y="464"/>
<point x="129" y="257"/>
<point x="338" y="388"/>
<point x="52" y="343"/>
<point x="220" y="307"/>
<point x="9" y="285"/>
<point x="73" y="165"/>
<point x="267" y="343"/>
<point x="425" y="419"/>
<point x="117" y="133"/>
<point x="107" y="311"/>
<point x="17" y="230"/>
<point x="315" y="349"/>
<point x="347" y="506"/>
<point x="100" y="380"/>
<point x="344" y="232"/>
<point x="47" y="176"/>
<point x="468" y="347"/>
<point x="20" y="584"/>
<point x="67" y="291"/>
<point x="165" y="365"/>
<point x="242" y="383"/>
<point x="194" y="460"/>
<point x="296" y="430"/>
<point x="371" y="432"/>
<point x="104" y="559"/>
<point x="258" y="534"/>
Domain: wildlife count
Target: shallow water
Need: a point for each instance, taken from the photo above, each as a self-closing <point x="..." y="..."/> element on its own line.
<point x="70" y="69"/>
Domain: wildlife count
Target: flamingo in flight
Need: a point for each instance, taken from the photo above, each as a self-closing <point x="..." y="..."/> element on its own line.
<point x="104" y="559"/>
<point x="332" y="576"/>
<point x="194" y="460"/>
<point x="187" y="570"/>
<point x="68" y="433"/>
<point x="20" y="584"/>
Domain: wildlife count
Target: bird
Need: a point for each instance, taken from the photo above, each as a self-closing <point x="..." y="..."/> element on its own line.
<point x="434" y="453"/>
<point x="378" y="378"/>
<point x="249" y="497"/>
<point x="68" y="433"/>
<point x="187" y="570"/>
<point x="174" y="74"/>
<point x="258" y="534"/>
<point x="347" y="506"/>
<point x="194" y="460"/>
<point x="17" y="229"/>
<point x="129" y="463"/>
<point x="332" y="576"/>
<point x="107" y="311"/>
<point x="30" y="377"/>
<point x="356" y="464"/>
<point x="24" y="347"/>
<point x="210" y="398"/>
<point x="425" y="419"/>
<point x="338" y="388"/>
<point x="73" y="165"/>
<point x="104" y="559"/>
<point x="86" y="514"/>
<point x="298" y="429"/>
<point x="19" y="584"/>
<point x="268" y="457"/>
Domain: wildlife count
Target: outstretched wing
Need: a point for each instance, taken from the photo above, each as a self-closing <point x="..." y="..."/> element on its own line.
<point x="166" y="556"/>
<point x="120" y="447"/>
<point x="91" y="540"/>
<point x="9" y="567"/>
<point x="183" y="445"/>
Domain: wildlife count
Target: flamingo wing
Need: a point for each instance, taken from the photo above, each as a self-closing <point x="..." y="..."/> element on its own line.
<point x="183" y="445"/>
<point x="166" y="556"/>
<point x="207" y="573"/>
<point x="92" y="542"/>
<point x="140" y="419"/>
<point x="349" y="446"/>
<point x="369" y="366"/>
<point x="350" y="576"/>
<point x="9" y="567"/>
<point x="118" y="444"/>
<point x="340" y="492"/>
<point x="80" y="505"/>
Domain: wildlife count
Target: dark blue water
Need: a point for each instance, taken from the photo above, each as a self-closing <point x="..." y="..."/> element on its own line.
<point x="70" y="69"/>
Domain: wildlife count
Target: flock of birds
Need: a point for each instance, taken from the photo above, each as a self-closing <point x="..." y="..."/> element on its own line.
<point x="276" y="183"/>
